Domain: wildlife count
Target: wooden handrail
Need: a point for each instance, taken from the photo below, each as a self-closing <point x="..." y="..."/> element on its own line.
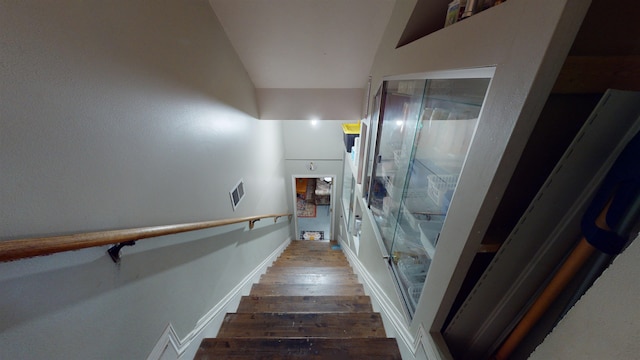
<point x="24" y="248"/>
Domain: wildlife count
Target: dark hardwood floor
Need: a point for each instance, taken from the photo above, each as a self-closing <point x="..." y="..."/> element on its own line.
<point x="308" y="305"/>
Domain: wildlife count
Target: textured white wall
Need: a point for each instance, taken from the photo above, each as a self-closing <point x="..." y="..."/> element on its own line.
<point x="117" y="114"/>
<point x="320" y="142"/>
<point x="605" y="322"/>
<point x="295" y="104"/>
<point x="527" y="43"/>
<point x="128" y="109"/>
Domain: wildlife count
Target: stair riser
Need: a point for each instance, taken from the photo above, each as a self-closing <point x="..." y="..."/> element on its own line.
<point x="308" y="305"/>
<point x="306" y="290"/>
<point x="301" y="263"/>
<point x="313" y="259"/>
<point x="310" y="279"/>
<point x="376" y="349"/>
<point x="309" y="270"/>
<point x="266" y="325"/>
<point x="304" y="304"/>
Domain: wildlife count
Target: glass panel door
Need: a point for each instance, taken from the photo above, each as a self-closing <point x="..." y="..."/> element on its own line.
<point x="426" y="129"/>
<point x="398" y="121"/>
<point x="374" y="129"/>
<point x="347" y="189"/>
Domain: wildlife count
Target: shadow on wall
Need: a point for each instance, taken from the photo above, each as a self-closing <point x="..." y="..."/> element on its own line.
<point x="22" y="298"/>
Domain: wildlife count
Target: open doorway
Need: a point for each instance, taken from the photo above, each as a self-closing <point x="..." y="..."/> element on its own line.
<point x="313" y="207"/>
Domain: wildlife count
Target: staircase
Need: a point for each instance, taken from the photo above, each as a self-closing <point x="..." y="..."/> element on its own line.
<point x="309" y="305"/>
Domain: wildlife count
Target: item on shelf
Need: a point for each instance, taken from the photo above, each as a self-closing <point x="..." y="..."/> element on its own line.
<point x="413" y="271"/>
<point x="416" y="278"/>
<point x="357" y="226"/>
<point x="406" y="88"/>
<point x="463" y="6"/>
<point x="410" y="250"/>
<point x="475" y="6"/>
<point x="426" y="113"/>
<point x="439" y="114"/>
<point x="470" y="9"/>
<point x="414" y="294"/>
<point x="408" y="217"/>
<point x="430" y="231"/>
<point x="492" y="3"/>
<point x="411" y="234"/>
<point x="397" y="157"/>
<point x="351" y="132"/>
<point x="438" y="186"/>
<point x="452" y="13"/>
<point x="355" y="150"/>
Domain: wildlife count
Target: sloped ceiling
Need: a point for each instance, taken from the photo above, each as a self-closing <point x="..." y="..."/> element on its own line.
<point x="305" y="44"/>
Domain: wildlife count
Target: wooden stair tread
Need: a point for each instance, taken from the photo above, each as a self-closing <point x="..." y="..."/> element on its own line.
<point x="306" y="290"/>
<point x="313" y="255"/>
<point x="324" y="247"/>
<point x="283" y="349"/>
<point x="317" y="279"/>
<point x="338" y="325"/>
<point x="318" y="254"/>
<point x="312" y="245"/>
<point x="314" y="251"/>
<point x="304" y="304"/>
<point x="308" y="305"/>
<point x="309" y="270"/>
<point x="309" y="262"/>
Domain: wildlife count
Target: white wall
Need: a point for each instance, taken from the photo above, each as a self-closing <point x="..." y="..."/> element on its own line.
<point x="322" y="140"/>
<point x="295" y="104"/>
<point x="321" y="143"/>
<point x="605" y="323"/>
<point x="124" y="114"/>
<point x="527" y="43"/>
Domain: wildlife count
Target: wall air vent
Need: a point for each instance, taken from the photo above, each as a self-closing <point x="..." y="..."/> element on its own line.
<point x="237" y="194"/>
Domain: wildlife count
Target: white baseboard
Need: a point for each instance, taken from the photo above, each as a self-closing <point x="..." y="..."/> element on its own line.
<point x="394" y="315"/>
<point x="171" y="346"/>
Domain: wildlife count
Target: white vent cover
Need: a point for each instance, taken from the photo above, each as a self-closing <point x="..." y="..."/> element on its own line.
<point x="237" y="194"/>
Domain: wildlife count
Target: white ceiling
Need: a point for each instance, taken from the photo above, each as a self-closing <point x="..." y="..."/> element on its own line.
<point x="305" y="43"/>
